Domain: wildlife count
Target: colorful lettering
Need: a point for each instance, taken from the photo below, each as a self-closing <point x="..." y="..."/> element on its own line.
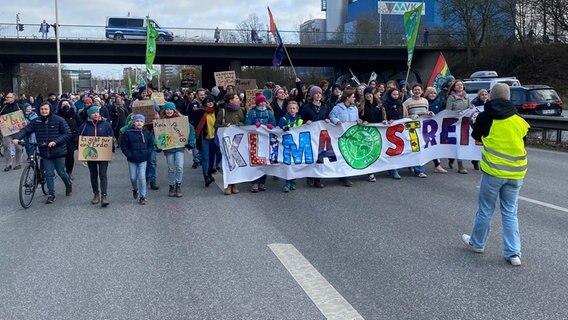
<point x="291" y="150"/>
<point x="325" y="148"/>
<point x="255" y="160"/>
<point x="231" y="152"/>
<point x="447" y="128"/>
<point x="429" y="129"/>
<point x="396" y="140"/>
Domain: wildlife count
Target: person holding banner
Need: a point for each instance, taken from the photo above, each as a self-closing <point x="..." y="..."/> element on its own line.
<point x="435" y="106"/>
<point x="371" y="111"/>
<point x="230" y="114"/>
<point x="260" y="115"/>
<point x="52" y="134"/>
<point x="315" y="110"/>
<point x="10" y="105"/>
<point x="345" y="111"/>
<point x="205" y="134"/>
<point x="417" y="106"/>
<point x="291" y="119"/>
<point x="394" y="111"/>
<point x="458" y="101"/>
<point x="96" y="126"/>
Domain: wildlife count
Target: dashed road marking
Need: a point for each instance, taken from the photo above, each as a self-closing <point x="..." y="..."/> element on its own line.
<point x="330" y="303"/>
<point x="544" y="204"/>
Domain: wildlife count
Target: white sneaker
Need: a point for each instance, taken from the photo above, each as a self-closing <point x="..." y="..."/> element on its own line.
<point x="440" y="169"/>
<point x="372" y="178"/>
<point x="466" y="239"/>
<point x="514" y="260"/>
<point x="422" y="175"/>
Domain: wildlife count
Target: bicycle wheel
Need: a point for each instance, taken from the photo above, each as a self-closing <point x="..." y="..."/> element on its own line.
<point x="28" y="185"/>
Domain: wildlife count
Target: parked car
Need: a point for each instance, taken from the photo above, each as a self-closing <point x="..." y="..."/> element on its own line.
<point x="537" y="100"/>
<point x="131" y="28"/>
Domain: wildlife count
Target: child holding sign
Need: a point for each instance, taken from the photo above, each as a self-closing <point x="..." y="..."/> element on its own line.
<point x="174" y="157"/>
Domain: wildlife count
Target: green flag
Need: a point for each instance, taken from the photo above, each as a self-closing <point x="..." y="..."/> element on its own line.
<point x="129" y="86"/>
<point x="411" y="24"/>
<point x="151" y="35"/>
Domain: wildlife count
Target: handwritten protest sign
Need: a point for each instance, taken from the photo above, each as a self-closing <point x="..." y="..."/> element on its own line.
<point x="250" y="95"/>
<point x="145" y="108"/>
<point x="241" y="85"/>
<point x="225" y="78"/>
<point x="171" y="133"/>
<point x="95" y="148"/>
<point x="187" y="77"/>
<point x="159" y="98"/>
<point x="12" y="123"/>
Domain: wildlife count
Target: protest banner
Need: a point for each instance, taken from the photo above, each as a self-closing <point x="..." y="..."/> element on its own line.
<point x="95" y="148"/>
<point x="225" y="78"/>
<point x="241" y="85"/>
<point x="327" y="151"/>
<point x="171" y="133"/>
<point x="145" y="108"/>
<point x="12" y="123"/>
<point x="159" y="98"/>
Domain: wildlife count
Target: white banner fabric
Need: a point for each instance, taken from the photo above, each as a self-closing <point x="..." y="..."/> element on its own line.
<point x="324" y="150"/>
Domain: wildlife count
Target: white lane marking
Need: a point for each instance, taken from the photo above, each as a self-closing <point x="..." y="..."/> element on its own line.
<point x="330" y="303"/>
<point x="544" y="204"/>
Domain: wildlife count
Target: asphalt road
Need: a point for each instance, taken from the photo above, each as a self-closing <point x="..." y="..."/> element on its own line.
<point x="392" y="249"/>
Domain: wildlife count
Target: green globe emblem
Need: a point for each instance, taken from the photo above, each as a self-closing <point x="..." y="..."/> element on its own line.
<point x="361" y="146"/>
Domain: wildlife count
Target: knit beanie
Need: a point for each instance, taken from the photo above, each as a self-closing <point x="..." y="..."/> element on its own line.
<point x="93" y="110"/>
<point x="276" y="89"/>
<point x="369" y="90"/>
<point x="259" y="99"/>
<point x="139" y="117"/>
<point x="500" y="91"/>
<point x="314" y="90"/>
<point x="169" y="105"/>
<point x="88" y="100"/>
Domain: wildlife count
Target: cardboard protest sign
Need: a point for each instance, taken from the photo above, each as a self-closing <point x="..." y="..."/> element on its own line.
<point x="159" y="98"/>
<point x="241" y="85"/>
<point x="225" y="78"/>
<point x="12" y="123"/>
<point x="145" y="108"/>
<point x="250" y="95"/>
<point x="187" y="78"/>
<point x="95" y="148"/>
<point x="171" y="133"/>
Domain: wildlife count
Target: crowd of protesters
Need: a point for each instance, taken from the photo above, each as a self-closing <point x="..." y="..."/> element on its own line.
<point x="106" y="114"/>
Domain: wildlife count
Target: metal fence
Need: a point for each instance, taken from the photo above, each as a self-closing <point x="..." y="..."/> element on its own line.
<point x="92" y="32"/>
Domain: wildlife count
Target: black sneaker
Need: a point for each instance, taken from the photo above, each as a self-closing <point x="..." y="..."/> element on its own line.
<point x="50" y="199"/>
<point x="154" y="185"/>
<point x="195" y="165"/>
<point x="135" y="194"/>
<point x="142" y="201"/>
<point x="68" y="188"/>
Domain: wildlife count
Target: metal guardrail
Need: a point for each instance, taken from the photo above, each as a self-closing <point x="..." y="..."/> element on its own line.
<point x="93" y="32"/>
<point x="548" y="123"/>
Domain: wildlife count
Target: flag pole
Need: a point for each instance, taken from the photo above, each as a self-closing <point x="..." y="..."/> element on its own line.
<point x="291" y="65"/>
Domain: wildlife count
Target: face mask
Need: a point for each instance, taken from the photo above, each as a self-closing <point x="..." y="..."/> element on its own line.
<point x="261" y="108"/>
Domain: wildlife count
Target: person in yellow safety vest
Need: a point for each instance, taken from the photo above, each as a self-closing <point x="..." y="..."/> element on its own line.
<point x="504" y="165"/>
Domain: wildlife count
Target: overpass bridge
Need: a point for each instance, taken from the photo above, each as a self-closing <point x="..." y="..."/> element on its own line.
<point x="214" y="56"/>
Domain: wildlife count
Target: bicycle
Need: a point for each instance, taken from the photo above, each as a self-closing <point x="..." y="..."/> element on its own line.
<point x="32" y="176"/>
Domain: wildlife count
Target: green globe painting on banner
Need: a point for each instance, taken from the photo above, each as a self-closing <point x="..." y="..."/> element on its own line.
<point x="360" y="146"/>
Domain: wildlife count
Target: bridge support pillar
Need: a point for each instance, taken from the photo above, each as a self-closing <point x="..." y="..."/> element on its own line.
<point x="10" y="77"/>
<point x="236" y="66"/>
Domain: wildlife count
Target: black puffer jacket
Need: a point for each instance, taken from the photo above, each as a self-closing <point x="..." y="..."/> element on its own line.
<point x="47" y="129"/>
<point x="73" y="121"/>
<point x="136" y="145"/>
<point x="494" y="109"/>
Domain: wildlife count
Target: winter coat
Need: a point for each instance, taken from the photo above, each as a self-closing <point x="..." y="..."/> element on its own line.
<point x="343" y="113"/>
<point x="373" y="112"/>
<point x="100" y="128"/>
<point x="457" y="103"/>
<point x="393" y="108"/>
<point x="73" y="121"/>
<point x="228" y="115"/>
<point x="309" y="113"/>
<point x="263" y="116"/>
<point x="51" y="128"/>
<point x="494" y="109"/>
<point x="436" y="105"/>
<point x="136" y="145"/>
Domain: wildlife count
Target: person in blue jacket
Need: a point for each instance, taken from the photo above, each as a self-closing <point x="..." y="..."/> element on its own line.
<point x="52" y="134"/>
<point x="96" y="126"/>
<point x="136" y="145"/>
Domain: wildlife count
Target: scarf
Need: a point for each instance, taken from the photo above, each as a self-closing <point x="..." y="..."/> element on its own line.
<point x="459" y="96"/>
<point x="232" y="107"/>
<point x="203" y="120"/>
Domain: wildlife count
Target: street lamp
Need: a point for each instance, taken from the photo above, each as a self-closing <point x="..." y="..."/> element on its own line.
<point x="57" y="30"/>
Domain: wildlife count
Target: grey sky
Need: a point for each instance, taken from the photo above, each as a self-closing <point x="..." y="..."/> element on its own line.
<point x="209" y="14"/>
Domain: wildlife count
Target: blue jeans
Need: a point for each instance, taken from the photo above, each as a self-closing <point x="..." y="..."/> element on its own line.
<point x="418" y="170"/>
<point x="50" y="166"/>
<point x="175" y="167"/>
<point x="208" y="155"/>
<point x="151" y="166"/>
<point x="138" y="177"/>
<point x="508" y="192"/>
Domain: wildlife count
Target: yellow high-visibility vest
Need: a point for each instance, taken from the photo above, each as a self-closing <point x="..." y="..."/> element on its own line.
<point x="504" y="154"/>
